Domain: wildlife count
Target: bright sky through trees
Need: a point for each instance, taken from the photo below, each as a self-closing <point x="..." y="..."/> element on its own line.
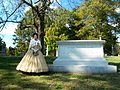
<point x="8" y="31"/>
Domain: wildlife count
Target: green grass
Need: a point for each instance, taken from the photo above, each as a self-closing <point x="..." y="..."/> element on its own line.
<point x="10" y="79"/>
<point x="114" y="60"/>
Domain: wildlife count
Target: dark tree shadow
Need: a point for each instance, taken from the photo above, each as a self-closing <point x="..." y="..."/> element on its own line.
<point x="9" y="76"/>
<point x="116" y="64"/>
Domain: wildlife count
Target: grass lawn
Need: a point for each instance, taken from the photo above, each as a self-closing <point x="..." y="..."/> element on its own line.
<point x="10" y="79"/>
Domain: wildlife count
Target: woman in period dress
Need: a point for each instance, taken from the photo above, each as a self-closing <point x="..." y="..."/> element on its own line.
<point x="33" y="61"/>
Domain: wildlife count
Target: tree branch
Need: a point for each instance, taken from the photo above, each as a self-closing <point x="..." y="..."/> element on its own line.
<point x="4" y="9"/>
<point x="60" y="5"/>
<point x="5" y="21"/>
<point x="30" y="5"/>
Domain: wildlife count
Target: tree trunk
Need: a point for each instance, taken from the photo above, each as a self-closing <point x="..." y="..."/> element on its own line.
<point x="41" y="30"/>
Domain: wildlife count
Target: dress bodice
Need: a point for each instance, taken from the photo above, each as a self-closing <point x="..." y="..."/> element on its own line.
<point x="36" y="44"/>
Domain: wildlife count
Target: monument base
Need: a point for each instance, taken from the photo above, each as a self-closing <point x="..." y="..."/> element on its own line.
<point x="84" y="69"/>
<point x="81" y="56"/>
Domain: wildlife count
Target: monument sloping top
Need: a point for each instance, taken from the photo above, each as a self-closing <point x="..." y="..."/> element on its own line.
<point x="81" y="41"/>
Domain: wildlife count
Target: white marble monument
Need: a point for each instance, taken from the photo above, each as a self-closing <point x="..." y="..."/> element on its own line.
<point x="81" y="56"/>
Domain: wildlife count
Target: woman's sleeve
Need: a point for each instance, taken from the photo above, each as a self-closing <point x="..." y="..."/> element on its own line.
<point x="40" y="44"/>
<point x="30" y="45"/>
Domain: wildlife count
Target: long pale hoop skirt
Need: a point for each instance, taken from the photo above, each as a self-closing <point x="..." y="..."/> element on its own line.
<point x="31" y="63"/>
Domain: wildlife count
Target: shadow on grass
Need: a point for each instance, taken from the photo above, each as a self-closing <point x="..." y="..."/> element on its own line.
<point x="11" y="79"/>
<point x="116" y="64"/>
